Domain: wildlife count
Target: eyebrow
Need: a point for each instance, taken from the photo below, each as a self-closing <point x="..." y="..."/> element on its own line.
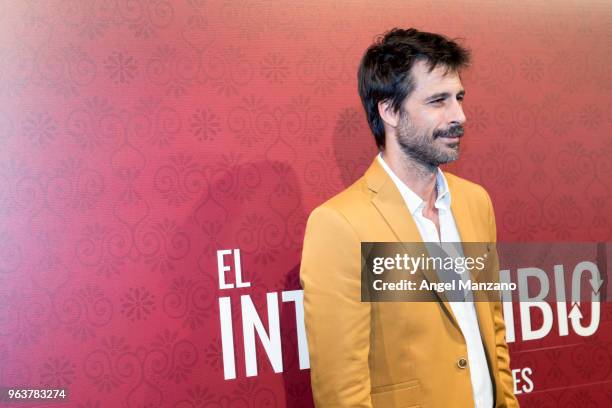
<point x="443" y="95"/>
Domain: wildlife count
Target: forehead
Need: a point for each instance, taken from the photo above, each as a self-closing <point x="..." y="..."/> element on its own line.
<point x="427" y="83"/>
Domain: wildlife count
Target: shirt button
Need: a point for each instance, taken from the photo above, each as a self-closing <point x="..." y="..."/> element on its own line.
<point x="462" y="363"/>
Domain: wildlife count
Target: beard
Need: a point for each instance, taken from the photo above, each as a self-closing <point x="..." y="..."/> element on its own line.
<point x="424" y="148"/>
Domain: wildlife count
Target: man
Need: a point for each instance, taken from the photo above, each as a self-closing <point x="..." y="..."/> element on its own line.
<point x="402" y="354"/>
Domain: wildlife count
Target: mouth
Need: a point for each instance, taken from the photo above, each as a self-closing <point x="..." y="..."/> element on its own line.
<point x="452" y="134"/>
<point x="451" y="138"/>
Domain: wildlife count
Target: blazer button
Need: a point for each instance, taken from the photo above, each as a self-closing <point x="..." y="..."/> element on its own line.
<point x="462" y="363"/>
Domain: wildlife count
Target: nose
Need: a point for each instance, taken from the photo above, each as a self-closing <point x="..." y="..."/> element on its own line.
<point x="456" y="115"/>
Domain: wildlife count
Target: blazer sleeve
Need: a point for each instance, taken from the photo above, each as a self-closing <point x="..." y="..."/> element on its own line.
<point x="503" y="354"/>
<point x="337" y="322"/>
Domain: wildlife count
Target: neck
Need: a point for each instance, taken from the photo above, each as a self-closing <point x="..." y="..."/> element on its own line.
<point x="418" y="176"/>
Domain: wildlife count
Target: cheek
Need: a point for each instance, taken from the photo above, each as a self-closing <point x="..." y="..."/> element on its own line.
<point x="431" y="127"/>
<point x="430" y="121"/>
<point x="436" y="125"/>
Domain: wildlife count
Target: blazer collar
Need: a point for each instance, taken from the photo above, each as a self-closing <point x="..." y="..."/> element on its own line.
<point x="391" y="204"/>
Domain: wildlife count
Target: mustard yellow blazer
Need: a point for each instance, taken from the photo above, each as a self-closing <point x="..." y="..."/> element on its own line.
<point x="391" y="354"/>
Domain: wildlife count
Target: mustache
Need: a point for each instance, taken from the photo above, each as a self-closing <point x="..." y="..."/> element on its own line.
<point x="454" y="131"/>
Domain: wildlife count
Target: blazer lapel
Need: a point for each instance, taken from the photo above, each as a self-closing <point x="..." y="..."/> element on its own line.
<point x="392" y="207"/>
<point x="465" y="226"/>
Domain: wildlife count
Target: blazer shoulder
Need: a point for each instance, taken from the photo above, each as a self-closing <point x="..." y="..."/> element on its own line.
<point x="348" y="202"/>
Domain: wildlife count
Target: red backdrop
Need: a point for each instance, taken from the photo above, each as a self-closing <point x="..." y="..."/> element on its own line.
<point x="138" y="138"/>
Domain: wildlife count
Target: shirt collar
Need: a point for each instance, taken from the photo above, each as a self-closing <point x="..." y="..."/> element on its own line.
<point x="413" y="201"/>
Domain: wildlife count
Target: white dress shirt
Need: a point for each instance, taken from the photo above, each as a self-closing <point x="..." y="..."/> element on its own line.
<point x="464" y="312"/>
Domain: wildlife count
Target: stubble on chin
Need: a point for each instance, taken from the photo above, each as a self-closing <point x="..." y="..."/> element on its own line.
<point x="427" y="150"/>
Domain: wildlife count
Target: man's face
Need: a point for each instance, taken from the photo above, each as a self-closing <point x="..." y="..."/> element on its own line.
<point x="431" y="119"/>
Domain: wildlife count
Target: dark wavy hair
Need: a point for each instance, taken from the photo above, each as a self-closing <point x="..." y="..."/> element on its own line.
<point x="384" y="71"/>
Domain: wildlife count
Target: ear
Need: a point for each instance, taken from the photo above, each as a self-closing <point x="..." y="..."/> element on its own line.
<point x="385" y="110"/>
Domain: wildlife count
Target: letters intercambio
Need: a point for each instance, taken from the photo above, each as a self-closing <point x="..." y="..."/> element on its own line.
<point x="560" y="281"/>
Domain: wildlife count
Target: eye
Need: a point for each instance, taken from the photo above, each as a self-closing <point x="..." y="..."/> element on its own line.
<point x="437" y="101"/>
